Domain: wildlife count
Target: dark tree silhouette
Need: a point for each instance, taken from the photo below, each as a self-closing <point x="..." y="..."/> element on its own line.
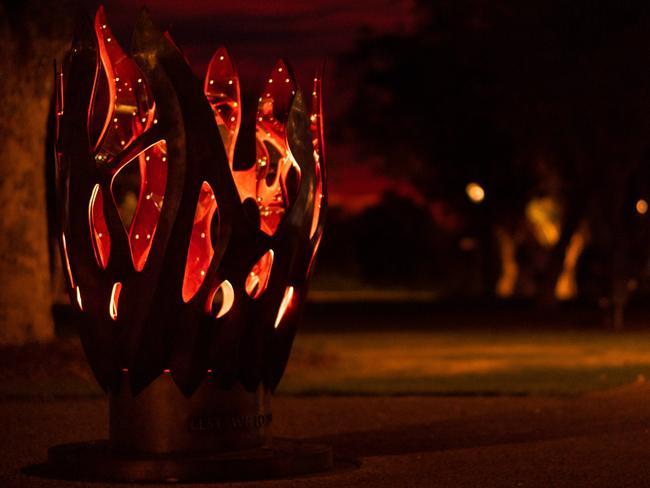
<point x="32" y="34"/>
<point x="543" y="98"/>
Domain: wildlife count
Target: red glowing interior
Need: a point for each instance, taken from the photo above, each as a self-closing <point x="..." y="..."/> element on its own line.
<point x="122" y="111"/>
<point x="125" y="109"/>
<point x="115" y="299"/>
<point x="278" y="174"/>
<point x="274" y="178"/>
<point x="121" y="117"/>
<point x="317" y="135"/>
<point x="220" y="300"/>
<point x="258" y="278"/>
<point x="79" y="302"/>
<point x="221" y="87"/>
<point x="287" y="301"/>
<point x="201" y="250"/>
<point x="152" y="164"/>
<point x="101" y="239"/>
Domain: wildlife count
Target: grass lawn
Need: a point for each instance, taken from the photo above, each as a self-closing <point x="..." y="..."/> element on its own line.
<point x="462" y="362"/>
<point x="466" y="362"/>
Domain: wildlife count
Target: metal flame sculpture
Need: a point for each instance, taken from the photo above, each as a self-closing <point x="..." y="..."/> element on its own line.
<point x="192" y="295"/>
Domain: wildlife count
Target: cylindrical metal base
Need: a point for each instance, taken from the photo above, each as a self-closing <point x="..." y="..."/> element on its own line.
<point x="161" y="435"/>
<point x="96" y="461"/>
<point x="161" y="420"/>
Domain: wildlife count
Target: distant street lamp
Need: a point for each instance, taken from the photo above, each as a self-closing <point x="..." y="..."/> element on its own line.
<point x="191" y="295"/>
<point x="475" y="192"/>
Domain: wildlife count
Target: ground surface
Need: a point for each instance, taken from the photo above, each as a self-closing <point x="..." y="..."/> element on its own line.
<point x="508" y="408"/>
<point x="598" y="439"/>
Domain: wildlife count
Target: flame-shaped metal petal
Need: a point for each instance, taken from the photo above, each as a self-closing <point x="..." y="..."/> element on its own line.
<point x="278" y="174"/>
<point x="221" y="88"/>
<point x="130" y="108"/>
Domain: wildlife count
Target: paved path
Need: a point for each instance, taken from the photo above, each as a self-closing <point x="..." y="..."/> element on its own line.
<point x="601" y="439"/>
